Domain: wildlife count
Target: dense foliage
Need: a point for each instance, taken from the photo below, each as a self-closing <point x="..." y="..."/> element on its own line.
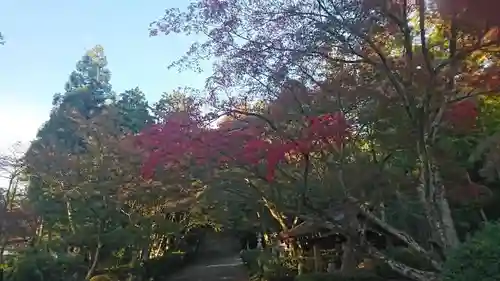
<point x="355" y="116"/>
<point x="476" y="258"/>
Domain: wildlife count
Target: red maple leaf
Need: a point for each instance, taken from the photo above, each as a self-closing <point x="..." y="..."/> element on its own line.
<point x="177" y="144"/>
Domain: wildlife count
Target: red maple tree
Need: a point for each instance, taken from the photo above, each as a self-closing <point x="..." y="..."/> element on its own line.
<point x="181" y="142"/>
<point x="473" y="12"/>
<point x="462" y="115"/>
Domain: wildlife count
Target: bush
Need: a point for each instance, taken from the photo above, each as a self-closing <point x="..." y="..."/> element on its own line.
<point x="362" y="276"/>
<point x="39" y="265"/>
<point x="265" y="266"/>
<point x="250" y="258"/>
<point x="162" y="267"/>
<point x="476" y="259"/>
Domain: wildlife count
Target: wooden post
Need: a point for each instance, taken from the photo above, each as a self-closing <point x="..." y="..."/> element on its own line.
<point x="317" y="258"/>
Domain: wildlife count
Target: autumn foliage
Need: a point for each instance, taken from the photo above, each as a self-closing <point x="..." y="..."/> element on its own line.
<point x="474" y="12"/>
<point x="468" y="12"/>
<point x="181" y="142"/>
<point x="462" y="115"/>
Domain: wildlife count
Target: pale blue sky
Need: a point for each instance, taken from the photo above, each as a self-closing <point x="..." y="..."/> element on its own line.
<point x="46" y="38"/>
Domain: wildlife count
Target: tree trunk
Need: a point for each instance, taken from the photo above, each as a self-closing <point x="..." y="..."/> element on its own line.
<point x="145" y="253"/>
<point x="409" y="272"/>
<point x="451" y="235"/>
<point x="95" y="259"/>
<point x="278" y="216"/>
<point x="433" y="198"/>
<point x="349" y="263"/>
<point x="69" y="213"/>
<point x="398" y="234"/>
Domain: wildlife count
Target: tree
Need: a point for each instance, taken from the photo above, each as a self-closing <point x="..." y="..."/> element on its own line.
<point x="88" y="88"/>
<point x="134" y="109"/>
<point x="234" y="155"/>
<point x="58" y="191"/>
<point x="104" y="197"/>
<point x="470" y="12"/>
<point x="18" y="224"/>
<point x="175" y="102"/>
<point x="424" y="70"/>
<point x="84" y="179"/>
<point x="86" y="93"/>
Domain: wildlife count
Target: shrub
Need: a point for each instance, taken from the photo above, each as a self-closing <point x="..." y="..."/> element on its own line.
<point x="476" y="259"/>
<point x="39" y="265"/>
<point x="265" y="266"/>
<point x="164" y="266"/>
<point x="250" y="258"/>
<point x="323" y="276"/>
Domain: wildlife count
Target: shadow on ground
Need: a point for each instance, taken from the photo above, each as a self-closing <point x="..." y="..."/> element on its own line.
<point x="217" y="269"/>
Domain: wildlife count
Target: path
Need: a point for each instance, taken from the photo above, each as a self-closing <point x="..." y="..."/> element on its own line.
<point x="218" y="269"/>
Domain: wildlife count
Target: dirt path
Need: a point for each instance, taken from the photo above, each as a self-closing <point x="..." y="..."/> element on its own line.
<point x="218" y="269"/>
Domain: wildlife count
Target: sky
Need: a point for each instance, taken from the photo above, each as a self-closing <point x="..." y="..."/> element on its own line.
<point x="45" y="39"/>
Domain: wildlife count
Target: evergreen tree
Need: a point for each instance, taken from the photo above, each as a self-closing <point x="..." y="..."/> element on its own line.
<point x="134" y="110"/>
<point x="86" y="93"/>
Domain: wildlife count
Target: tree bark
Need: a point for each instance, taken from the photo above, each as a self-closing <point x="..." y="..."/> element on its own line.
<point x="433" y="198"/>
<point x="409" y="272"/>
<point x="69" y="213"/>
<point x="95" y="259"/>
<point x="275" y="214"/>
<point x="349" y="263"/>
<point x="398" y="234"/>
